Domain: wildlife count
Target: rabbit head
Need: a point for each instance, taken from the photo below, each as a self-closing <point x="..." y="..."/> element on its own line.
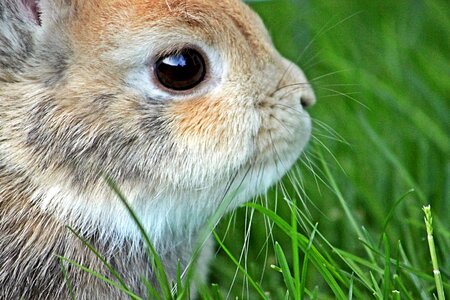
<point x="179" y="102"/>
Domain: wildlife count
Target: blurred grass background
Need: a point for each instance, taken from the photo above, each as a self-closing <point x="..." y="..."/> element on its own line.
<point x="381" y="72"/>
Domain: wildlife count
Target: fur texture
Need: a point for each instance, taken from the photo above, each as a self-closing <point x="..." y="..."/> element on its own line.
<point x="78" y="99"/>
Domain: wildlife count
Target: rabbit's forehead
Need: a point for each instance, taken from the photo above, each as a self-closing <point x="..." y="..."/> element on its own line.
<point x="211" y="21"/>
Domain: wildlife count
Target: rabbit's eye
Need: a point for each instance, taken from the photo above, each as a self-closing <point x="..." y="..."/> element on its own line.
<point x="181" y="71"/>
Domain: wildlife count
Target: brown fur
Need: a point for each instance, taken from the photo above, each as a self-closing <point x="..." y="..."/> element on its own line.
<point x="78" y="102"/>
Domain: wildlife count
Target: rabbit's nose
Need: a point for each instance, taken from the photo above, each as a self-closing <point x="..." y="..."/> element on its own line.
<point x="308" y="98"/>
<point x="295" y="76"/>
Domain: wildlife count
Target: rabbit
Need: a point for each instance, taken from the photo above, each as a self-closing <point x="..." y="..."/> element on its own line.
<point x="180" y="103"/>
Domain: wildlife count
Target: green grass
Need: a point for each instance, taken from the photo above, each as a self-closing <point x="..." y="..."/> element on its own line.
<point x="380" y="152"/>
<point x="347" y="221"/>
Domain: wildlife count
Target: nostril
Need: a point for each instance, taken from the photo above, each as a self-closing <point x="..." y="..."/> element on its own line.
<point x="307" y="101"/>
<point x="304" y="102"/>
<point x="308" y="98"/>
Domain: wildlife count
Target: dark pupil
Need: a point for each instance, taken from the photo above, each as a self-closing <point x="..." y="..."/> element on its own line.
<point x="181" y="71"/>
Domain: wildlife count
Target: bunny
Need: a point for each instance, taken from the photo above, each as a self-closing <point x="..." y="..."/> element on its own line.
<point x="178" y="102"/>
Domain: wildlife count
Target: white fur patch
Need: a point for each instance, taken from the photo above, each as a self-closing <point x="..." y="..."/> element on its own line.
<point x="169" y="217"/>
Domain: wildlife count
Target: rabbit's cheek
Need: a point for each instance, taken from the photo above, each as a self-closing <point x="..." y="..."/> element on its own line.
<point x="214" y="130"/>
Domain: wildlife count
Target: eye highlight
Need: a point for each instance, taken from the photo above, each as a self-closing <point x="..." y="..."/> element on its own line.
<point x="181" y="71"/>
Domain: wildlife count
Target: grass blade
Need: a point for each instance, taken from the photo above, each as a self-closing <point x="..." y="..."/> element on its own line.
<point x="152" y="253"/>
<point x="101" y="277"/>
<point x="67" y="280"/>
<point x="236" y="262"/>
<point x="387" y="268"/>
<point x="99" y="256"/>
<point x="325" y="268"/>
<point x="437" y="274"/>
<point x="284" y="267"/>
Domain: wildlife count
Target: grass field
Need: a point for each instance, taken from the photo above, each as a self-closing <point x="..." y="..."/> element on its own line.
<point x="380" y="152"/>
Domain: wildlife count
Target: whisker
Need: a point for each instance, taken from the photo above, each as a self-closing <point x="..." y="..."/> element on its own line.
<point x="307" y="65"/>
<point x="346" y="96"/>
<point x="321" y="31"/>
<point x="309" y="166"/>
<point x="247" y="246"/>
<point x="341" y="84"/>
<point x="294" y="183"/>
<point x="244" y="252"/>
<point x="329" y="129"/>
<point x="299" y="190"/>
<point x="329" y="137"/>
<point x="302" y="53"/>
<point x="334" y="95"/>
<point x="294" y="208"/>
<point x="289" y="130"/>
<point x="324" y="30"/>
<point x="296" y="85"/>
<point x="265" y="248"/>
<point x="327" y="75"/>
<point x="330" y="152"/>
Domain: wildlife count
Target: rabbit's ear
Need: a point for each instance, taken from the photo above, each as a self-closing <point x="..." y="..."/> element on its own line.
<point x="18" y="21"/>
<point x="31" y="10"/>
<point x="55" y="11"/>
<point x="40" y="11"/>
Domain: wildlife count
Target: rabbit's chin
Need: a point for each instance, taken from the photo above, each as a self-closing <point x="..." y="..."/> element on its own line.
<point x="169" y="216"/>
